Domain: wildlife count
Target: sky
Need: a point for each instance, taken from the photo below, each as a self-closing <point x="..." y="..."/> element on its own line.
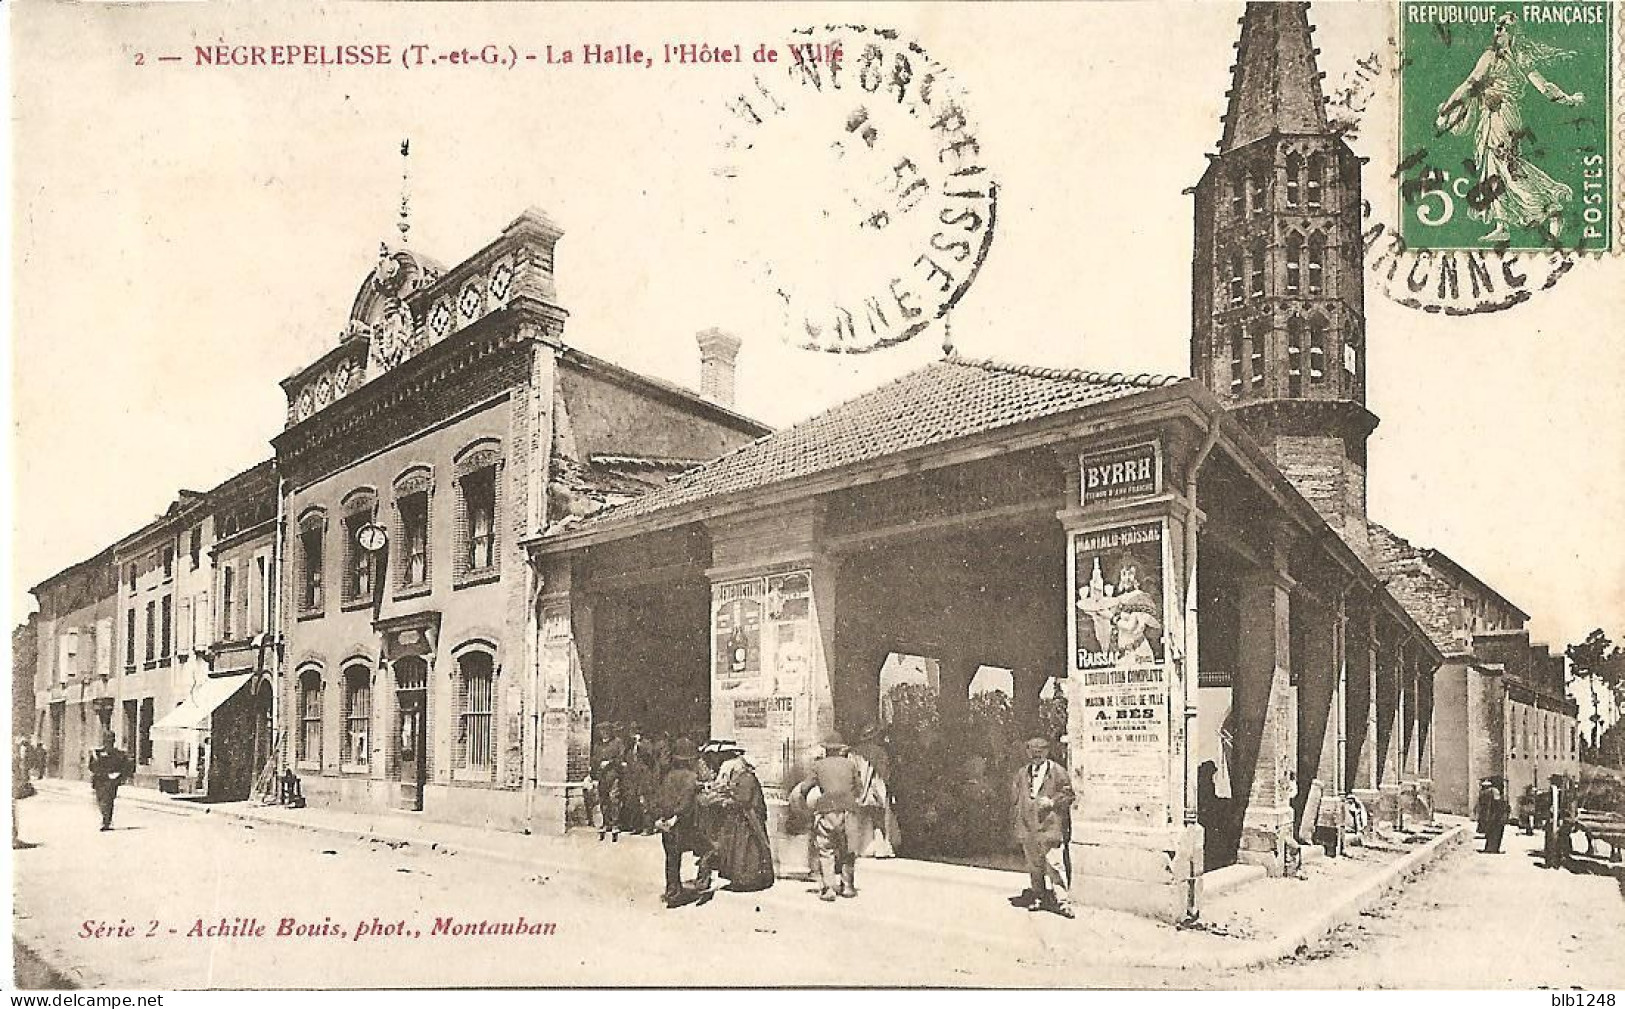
<point x="185" y="237"/>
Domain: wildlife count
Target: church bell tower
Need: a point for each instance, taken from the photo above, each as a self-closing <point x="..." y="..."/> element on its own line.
<point x="1278" y="295"/>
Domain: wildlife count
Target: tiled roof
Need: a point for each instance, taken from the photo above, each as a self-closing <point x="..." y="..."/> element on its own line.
<point x="949" y="399"/>
<point x="1429" y="599"/>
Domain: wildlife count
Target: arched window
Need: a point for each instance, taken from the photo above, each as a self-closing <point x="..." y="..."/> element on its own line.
<point x="479" y="498"/>
<point x="1317" y="351"/>
<point x="310" y="717"/>
<point x="412" y="546"/>
<point x="476" y="689"/>
<point x="1255" y="191"/>
<point x="1317" y="263"/>
<point x="1236" y="361"/>
<point x="1294" y="264"/>
<point x="1312" y="181"/>
<point x="1294" y="356"/>
<point x="1351" y="361"/>
<point x="1294" y="180"/>
<point x="1236" y="288"/>
<point x="1256" y="279"/>
<point x="354" y="748"/>
<point x="360" y="508"/>
<point x="312" y="548"/>
<point x="1238" y="195"/>
<point x="1260" y="335"/>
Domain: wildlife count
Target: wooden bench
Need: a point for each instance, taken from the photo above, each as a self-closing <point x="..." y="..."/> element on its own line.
<point x="1602" y="826"/>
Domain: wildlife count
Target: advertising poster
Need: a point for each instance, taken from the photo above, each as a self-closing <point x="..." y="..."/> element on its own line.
<point x="1118" y="578"/>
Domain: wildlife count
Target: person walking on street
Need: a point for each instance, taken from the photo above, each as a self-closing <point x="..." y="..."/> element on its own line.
<point x="738" y="812"/>
<point x="1042" y="794"/>
<point x="677" y="818"/>
<point x="108" y="769"/>
<point x="1495" y="821"/>
<point x="836" y="821"/>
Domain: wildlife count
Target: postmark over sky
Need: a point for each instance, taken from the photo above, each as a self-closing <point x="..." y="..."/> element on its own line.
<point x="1505" y="126"/>
<point x="855" y="182"/>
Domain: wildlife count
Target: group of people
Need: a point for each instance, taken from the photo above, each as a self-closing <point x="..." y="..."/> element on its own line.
<point x="710" y="803"/>
<point x="707" y="802"/>
<point x="1553" y="810"/>
<point x="627" y="770"/>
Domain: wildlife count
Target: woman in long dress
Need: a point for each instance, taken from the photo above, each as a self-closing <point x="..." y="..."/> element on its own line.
<point x="1489" y="103"/>
<point x="738" y="811"/>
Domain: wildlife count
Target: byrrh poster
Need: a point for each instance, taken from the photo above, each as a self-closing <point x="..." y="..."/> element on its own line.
<point x="580" y="333"/>
<point x="1117" y="610"/>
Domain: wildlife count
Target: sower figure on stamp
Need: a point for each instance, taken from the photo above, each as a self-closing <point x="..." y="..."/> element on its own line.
<point x="108" y="769"/>
<point x="1042" y="796"/>
<point x="678" y="820"/>
<point x="837" y="824"/>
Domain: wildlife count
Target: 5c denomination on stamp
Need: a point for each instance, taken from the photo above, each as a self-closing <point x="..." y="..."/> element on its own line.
<point x="855" y="181"/>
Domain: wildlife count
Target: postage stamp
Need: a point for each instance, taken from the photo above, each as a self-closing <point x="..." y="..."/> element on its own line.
<point x="855" y="182"/>
<point x="1505" y="121"/>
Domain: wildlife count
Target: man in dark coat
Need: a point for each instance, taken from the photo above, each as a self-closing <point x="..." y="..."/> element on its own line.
<point x="1041" y="793"/>
<point x="108" y="769"/>
<point x="1495" y="814"/>
<point x="738" y="811"/>
<point x="836" y="822"/>
<point x="677" y="818"/>
<point x="1484" y="788"/>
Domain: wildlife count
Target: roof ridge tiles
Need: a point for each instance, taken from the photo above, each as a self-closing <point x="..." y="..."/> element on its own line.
<point x="1146" y="380"/>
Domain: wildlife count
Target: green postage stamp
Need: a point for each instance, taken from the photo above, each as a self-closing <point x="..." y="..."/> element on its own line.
<point x="1505" y="125"/>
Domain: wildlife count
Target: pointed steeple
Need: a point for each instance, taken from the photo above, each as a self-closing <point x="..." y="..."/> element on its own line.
<point x="1276" y="84"/>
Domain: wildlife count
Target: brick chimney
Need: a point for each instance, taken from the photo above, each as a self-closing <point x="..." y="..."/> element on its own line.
<point x="718" y="352"/>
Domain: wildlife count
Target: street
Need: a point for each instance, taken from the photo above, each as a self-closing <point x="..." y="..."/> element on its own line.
<point x="176" y="899"/>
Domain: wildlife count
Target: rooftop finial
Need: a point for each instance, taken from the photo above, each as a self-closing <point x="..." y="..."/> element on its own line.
<point x="405" y="223"/>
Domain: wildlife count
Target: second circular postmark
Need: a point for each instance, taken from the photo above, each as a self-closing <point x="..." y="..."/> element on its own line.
<point x="855" y="182"/>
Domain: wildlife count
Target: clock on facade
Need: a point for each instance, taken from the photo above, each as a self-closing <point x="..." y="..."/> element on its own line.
<point x="371" y="537"/>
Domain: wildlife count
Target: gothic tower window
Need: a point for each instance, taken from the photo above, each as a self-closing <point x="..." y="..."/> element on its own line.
<point x="1312" y="183"/>
<point x="1255" y="191"/>
<point x="1317" y="351"/>
<point x="1294" y="180"/>
<point x="1235" y="278"/>
<point x="1259" y="335"/>
<point x="1237" y="195"/>
<point x="1294" y="357"/>
<point x="1317" y="263"/>
<point x="1235" y="361"/>
<point x="1294" y="264"/>
<point x="1256" y="279"/>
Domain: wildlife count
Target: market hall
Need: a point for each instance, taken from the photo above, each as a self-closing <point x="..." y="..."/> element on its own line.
<point x="948" y="515"/>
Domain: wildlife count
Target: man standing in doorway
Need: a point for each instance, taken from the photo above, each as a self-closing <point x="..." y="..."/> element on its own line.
<point x="108" y="769"/>
<point x="1042" y="794"/>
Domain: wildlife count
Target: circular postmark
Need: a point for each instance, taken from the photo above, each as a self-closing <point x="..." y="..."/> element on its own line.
<point x="854" y="180"/>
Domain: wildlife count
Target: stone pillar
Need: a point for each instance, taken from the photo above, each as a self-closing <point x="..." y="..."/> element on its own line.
<point x="1133" y="846"/>
<point x="1361" y="685"/>
<point x="1320" y="699"/>
<point x="1266" y="722"/>
<point x="559" y="679"/>
<point x="1389" y="729"/>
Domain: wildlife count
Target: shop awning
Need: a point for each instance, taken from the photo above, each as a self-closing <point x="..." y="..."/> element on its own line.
<point x="193" y="713"/>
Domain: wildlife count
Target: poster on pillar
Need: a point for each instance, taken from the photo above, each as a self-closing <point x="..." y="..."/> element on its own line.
<point x="1118" y="697"/>
<point x="762" y="641"/>
<point x="1117" y="585"/>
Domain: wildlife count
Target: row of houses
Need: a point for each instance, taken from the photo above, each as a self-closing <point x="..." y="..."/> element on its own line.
<point x="475" y="542"/>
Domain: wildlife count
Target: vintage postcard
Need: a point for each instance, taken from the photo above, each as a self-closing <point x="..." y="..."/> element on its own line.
<point x="1102" y="495"/>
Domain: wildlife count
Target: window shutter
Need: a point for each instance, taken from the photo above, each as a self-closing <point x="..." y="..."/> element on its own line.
<point x="204" y="617"/>
<point x="184" y="634"/>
